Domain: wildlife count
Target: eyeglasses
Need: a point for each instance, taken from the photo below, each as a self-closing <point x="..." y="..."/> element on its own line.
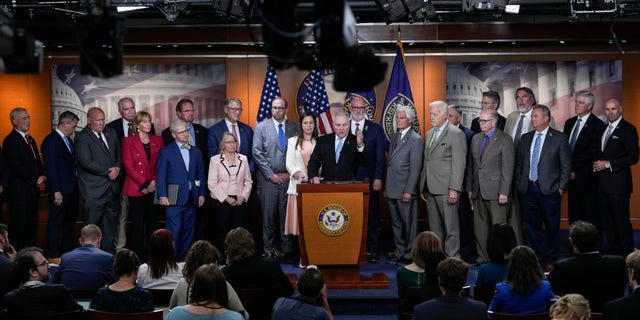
<point x="183" y="132"/>
<point x="43" y="263"/>
<point x="484" y="121"/>
<point x="235" y="109"/>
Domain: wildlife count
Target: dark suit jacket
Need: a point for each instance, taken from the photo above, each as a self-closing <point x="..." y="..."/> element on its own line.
<point x="24" y="169"/>
<point x="324" y="156"/>
<point x="451" y="306"/>
<point x="475" y="124"/>
<point x="492" y="175"/>
<point x="139" y="169"/>
<point x="598" y="278"/>
<point x="117" y="126"/>
<point x="586" y="150"/>
<point x="6" y="266"/>
<point x="405" y="163"/>
<point x="201" y="140"/>
<point x="377" y="146"/>
<point x="627" y="308"/>
<point x="246" y="140"/>
<point x="39" y="300"/>
<point x="621" y="152"/>
<point x="554" y="163"/>
<point x="257" y="272"/>
<point x="85" y="267"/>
<point x="171" y="170"/>
<point x="94" y="161"/>
<point x="60" y="164"/>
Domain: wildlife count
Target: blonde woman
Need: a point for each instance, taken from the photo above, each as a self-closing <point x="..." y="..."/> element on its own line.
<point x="570" y="307"/>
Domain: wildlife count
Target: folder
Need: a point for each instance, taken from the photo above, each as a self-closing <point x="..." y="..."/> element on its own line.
<point x="172" y="194"/>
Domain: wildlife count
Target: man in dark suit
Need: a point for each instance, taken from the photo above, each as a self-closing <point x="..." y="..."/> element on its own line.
<point x="269" y="154"/>
<point x="584" y="132"/>
<point x="627" y="308"/>
<point x="338" y="154"/>
<point x="26" y="174"/>
<point x="596" y="277"/>
<point x="490" y="101"/>
<point x="127" y="110"/>
<point x="180" y="164"/>
<point x="34" y="296"/>
<point x="403" y="175"/>
<point x="99" y="166"/>
<point x="542" y="176"/>
<point x="231" y="123"/>
<point x="7" y="255"/>
<point x="618" y="152"/>
<point x="377" y="146"/>
<point x="489" y="176"/>
<point x="452" y="275"/>
<point x="86" y="267"/>
<point x="60" y="161"/>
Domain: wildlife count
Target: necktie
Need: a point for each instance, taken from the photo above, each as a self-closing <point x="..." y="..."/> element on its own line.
<point x="26" y="137"/>
<point x="485" y="141"/>
<point x="396" y="140"/>
<point x="535" y="157"/>
<point x="69" y="144"/>
<point x="102" y="141"/>
<point x="357" y="128"/>
<point x="234" y="132"/>
<point x="281" y="136"/>
<point x="191" y="138"/>
<point x="574" y="135"/>
<point x="130" y="131"/>
<point x="185" y="146"/>
<point x="433" y="138"/>
<point x="338" y="149"/>
<point x="607" y="136"/>
<point x="516" y="138"/>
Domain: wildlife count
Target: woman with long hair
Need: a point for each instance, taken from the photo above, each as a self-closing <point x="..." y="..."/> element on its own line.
<point x="523" y="291"/>
<point x="161" y="271"/>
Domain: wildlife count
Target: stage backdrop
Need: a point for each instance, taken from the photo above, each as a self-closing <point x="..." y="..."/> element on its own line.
<point x="155" y="88"/>
<point x="553" y="83"/>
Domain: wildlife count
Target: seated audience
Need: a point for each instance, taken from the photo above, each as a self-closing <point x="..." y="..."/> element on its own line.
<point x="418" y="281"/>
<point x="304" y="305"/>
<point x="523" y="291"/>
<point x="86" y="267"/>
<point x="33" y="296"/>
<point x="246" y="270"/>
<point x="452" y="275"/>
<point x="599" y="278"/>
<point x="161" y="270"/>
<point x="124" y="295"/>
<point x="627" y="308"/>
<point x="570" y="307"/>
<point x="500" y="241"/>
<point x="209" y="297"/>
<point x="7" y="255"/>
<point x="201" y="252"/>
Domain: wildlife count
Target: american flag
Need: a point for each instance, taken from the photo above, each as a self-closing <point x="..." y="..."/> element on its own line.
<point x="270" y="90"/>
<point x="317" y="102"/>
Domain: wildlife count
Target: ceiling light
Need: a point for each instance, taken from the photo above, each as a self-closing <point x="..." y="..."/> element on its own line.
<point x="512" y="8"/>
<point x="130" y="8"/>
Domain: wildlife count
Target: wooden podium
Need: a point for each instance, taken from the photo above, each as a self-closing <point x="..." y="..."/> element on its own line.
<point x="333" y="233"/>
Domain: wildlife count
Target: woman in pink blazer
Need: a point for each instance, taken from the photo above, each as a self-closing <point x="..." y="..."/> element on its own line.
<point x="230" y="185"/>
<point x="139" y="158"/>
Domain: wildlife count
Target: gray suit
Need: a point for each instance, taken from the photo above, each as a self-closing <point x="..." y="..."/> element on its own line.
<point x="269" y="159"/>
<point x="101" y="194"/>
<point x="489" y="176"/>
<point x="403" y="174"/>
<point x="443" y="170"/>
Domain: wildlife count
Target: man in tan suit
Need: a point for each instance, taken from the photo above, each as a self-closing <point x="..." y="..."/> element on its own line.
<point x="442" y="174"/>
<point x="489" y="174"/>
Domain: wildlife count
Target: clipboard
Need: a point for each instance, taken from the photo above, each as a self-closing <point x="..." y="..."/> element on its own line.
<point x="172" y="194"/>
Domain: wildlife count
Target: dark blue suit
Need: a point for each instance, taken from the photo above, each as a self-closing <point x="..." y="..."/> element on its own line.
<point x="61" y="177"/>
<point x="246" y="139"/>
<point x="191" y="185"/>
<point x="626" y="308"/>
<point x="86" y="267"/>
<point x="451" y="306"/>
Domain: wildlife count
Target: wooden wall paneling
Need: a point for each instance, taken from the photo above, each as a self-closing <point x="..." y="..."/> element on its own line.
<point x="237" y="71"/>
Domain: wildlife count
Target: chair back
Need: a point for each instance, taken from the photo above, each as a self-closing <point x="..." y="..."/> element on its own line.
<point x="483" y="294"/>
<point x="412" y="296"/>
<point x="510" y="316"/>
<point x="69" y="315"/>
<point x="161" y="297"/>
<point x="259" y="301"/>
<point x="596" y="316"/>
<point x="104" y="315"/>
<point x="83" y="294"/>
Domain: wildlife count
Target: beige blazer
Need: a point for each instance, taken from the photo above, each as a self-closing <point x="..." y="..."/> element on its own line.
<point x="295" y="163"/>
<point x="219" y="177"/>
<point x="444" y="165"/>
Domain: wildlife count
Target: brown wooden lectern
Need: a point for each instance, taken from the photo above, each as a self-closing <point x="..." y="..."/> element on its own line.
<point x="333" y="233"/>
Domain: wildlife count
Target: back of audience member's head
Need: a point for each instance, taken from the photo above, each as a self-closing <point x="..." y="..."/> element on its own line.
<point x="570" y="307"/>
<point x="523" y="271"/>
<point x="126" y="262"/>
<point x="209" y="285"/>
<point x="633" y="263"/>
<point x="426" y="243"/>
<point x="310" y="282"/>
<point x="500" y="241"/>
<point x="201" y="252"/>
<point x="584" y="236"/>
<point x="161" y="258"/>
<point x="239" y="245"/>
<point x="4" y="234"/>
<point x="25" y="261"/>
<point x="452" y="274"/>
<point x="90" y="234"/>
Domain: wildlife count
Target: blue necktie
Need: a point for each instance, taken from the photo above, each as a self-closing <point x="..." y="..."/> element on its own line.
<point x="69" y="145"/>
<point x="281" y="136"/>
<point x="485" y="140"/>
<point x="535" y="157"/>
<point x="338" y="149"/>
<point x="574" y="135"/>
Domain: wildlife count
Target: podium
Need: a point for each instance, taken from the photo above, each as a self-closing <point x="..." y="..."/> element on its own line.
<point x="333" y="233"/>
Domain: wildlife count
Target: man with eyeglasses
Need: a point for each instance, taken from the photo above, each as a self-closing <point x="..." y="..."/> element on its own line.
<point x="34" y="296"/>
<point x="489" y="174"/>
<point x="490" y="101"/>
<point x="231" y="123"/>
